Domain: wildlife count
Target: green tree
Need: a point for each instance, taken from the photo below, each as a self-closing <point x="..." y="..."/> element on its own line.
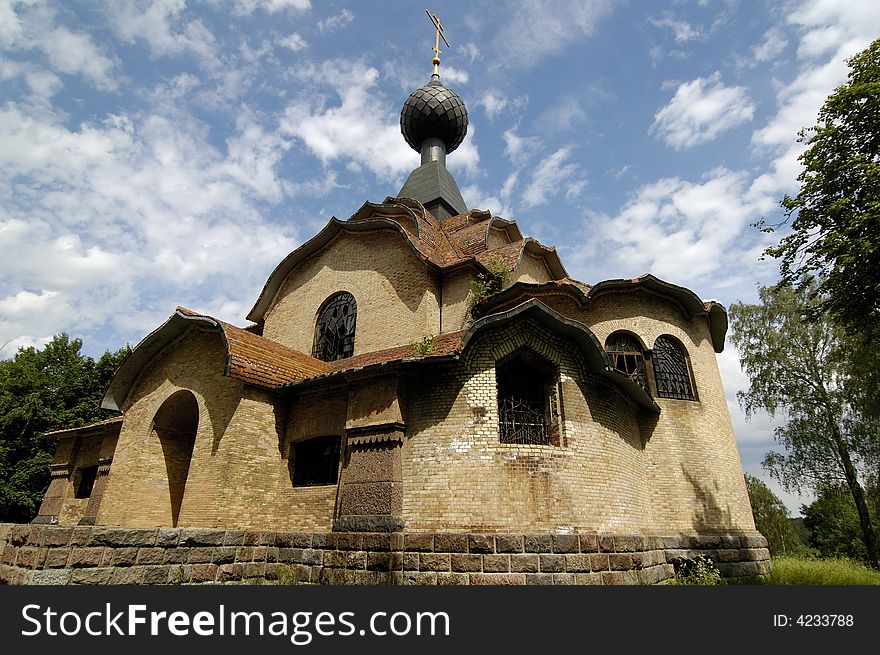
<point x="833" y="522"/>
<point x="803" y="368"/>
<point x="772" y="519"/>
<point x="40" y="391"/>
<point x="836" y="228"/>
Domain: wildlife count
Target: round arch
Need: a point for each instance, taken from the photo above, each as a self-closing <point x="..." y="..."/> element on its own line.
<point x="175" y="426"/>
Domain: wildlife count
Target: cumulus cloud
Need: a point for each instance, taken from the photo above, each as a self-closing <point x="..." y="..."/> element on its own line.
<point x="270" y="6"/>
<point x="554" y="175"/>
<point x="682" y="31"/>
<point x="162" y="25"/>
<point x="700" y="110"/>
<point x="68" y="51"/>
<point x="333" y="23"/>
<point x="690" y="233"/>
<point x="358" y="126"/>
<point x="829" y="34"/>
<point x="119" y="215"/>
<point x="293" y="42"/>
<point x="547" y="26"/>
<point x="342" y="115"/>
<point x="772" y="46"/>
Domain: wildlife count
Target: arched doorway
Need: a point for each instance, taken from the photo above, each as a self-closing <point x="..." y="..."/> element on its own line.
<point x="175" y="425"/>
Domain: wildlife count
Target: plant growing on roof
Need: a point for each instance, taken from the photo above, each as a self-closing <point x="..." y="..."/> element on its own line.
<point x="490" y="282"/>
<point x="424" y="346"/>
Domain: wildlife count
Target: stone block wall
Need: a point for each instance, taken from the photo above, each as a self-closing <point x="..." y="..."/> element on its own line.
<point x="38" y="554"/>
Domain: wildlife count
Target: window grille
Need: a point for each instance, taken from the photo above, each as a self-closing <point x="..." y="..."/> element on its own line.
<point x="627" y="357"/>
<point x="316" y="461"/>
<point x="334" y="330"/>
<point x="671" y="370"/>
<point x="529" y="407"/>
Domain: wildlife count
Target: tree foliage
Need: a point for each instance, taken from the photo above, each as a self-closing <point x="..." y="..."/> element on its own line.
<point x="772" y="519"/>
<point x="40" y="391"/>
<point x="801" y="364"/>
<point x="833" y="521"/>
<point x="836" y="228"/>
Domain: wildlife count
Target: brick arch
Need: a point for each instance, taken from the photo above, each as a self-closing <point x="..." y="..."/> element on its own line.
<point x="175" y="425"/>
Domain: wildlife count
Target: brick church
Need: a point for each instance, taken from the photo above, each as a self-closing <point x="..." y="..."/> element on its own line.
<point x="421" y="367"/>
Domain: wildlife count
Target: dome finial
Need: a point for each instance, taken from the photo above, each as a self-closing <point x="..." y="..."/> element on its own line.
<point x="435" y="19"/>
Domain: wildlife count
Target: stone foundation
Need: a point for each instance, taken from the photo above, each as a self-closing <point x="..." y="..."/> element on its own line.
<point x="43" y="554"/>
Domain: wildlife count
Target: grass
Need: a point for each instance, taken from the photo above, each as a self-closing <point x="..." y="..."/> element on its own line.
<point x="806" y="571"/>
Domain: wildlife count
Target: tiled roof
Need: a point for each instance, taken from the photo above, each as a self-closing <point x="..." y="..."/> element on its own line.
<point x="261" y="361"/>
<point x="453" y="242"/>
<point x="265" y="363"/>
<point x="442" y="345"/>
<point x="99" y="426"/>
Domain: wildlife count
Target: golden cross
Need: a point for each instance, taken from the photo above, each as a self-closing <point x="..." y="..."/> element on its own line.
<point x="437" y="26"/>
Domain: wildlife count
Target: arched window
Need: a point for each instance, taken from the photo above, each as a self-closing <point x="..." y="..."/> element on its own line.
<point x="671" y="370"/>
<point x="529" y="407"/>
<point x="627" y="356"/>
<point x="334" y="330"/>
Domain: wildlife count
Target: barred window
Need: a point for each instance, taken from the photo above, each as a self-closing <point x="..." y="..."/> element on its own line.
<point x="671" y="370"/>
<point x="315" y="461"/>
<point x="334" y="330"/>
<point x="627" y="356"/>
<point x="529" y="403"/>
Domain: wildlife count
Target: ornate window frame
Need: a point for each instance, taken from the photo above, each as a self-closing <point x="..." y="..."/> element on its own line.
<point x="673" y="376"/>
<point x="335" y="327"/>
<point x="629" y="356"/>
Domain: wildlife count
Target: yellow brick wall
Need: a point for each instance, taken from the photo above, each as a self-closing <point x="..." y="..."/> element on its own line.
<point x="530" y="269"/>
<point x="696" y="475"/>
<point x="238" y="476"/>
<point x="456" y="300"/>
<point x="396" y="293"/>
<point x="457" y="475"/>
<point x="73" y="509"/>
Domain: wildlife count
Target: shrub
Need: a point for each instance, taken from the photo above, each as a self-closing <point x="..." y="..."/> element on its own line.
<point x="699" y="570"/>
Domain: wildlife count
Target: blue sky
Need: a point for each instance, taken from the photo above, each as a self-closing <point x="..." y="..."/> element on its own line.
<point x="171" y="152"/>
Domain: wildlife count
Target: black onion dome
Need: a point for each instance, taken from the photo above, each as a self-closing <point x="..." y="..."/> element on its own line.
<point x="434" y="111"/>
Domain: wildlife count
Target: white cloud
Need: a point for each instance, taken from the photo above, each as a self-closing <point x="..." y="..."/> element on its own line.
<point x="520" y="148"/>
<point x="10" y="26"/>
<point x="341" y="115"/>
<point x="270" y="6"/>
<point x="470" y="51"/>
<point x="546" y="26"/>
<point x="690" y="233"/>
<point x="74" y="53"/>
<point x="333" y="23"/>
<point x="772" y="46"/>
<point x="163" y="26"/>
<point x="700" y="110"/>
<point x="118" y="216"/>
<point x="452" y="75"/>
<point x="563" y="115"/>
<point x="682" y="31"/>
<point x="493" y="103"/>
<point x="67" y="51"/>
<point x="554" y="175"/>
<point x="829" y="34"/>
<point x="293" y="42"/>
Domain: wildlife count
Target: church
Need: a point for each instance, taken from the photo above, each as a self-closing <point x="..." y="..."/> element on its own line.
<point x="422" y="368"/>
